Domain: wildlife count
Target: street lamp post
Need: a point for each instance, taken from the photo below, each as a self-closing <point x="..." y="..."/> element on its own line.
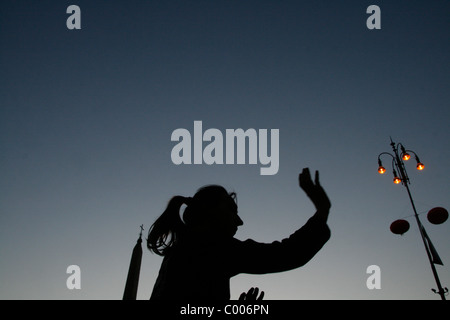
<point x="400" y="154"/>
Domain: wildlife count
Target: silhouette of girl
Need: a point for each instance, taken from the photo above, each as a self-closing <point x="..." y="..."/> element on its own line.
<point x="201" y="254"/>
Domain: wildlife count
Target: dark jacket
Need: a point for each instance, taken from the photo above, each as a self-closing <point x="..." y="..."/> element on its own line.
<point x="200" y="270"/>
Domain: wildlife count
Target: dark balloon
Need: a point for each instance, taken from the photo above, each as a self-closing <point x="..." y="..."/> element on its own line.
<point x="437" y="215"/>
<point x="399" y="226"/>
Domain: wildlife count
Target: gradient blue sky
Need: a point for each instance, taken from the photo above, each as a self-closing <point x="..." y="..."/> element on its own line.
<point x="86" y="118"/>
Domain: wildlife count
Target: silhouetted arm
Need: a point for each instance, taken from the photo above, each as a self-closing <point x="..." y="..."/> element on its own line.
<point x="293" y="252"/>
<point x="258" y="258"/>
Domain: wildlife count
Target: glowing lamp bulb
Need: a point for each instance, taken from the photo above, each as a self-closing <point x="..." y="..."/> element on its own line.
<point x="420" y="166"/>
<point x="397" y="180"/>
<point x="381" y="170"/>
<point x="406" y="156"/>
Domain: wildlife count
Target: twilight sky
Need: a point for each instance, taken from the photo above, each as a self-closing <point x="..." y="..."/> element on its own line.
<point x="86" y="118"/>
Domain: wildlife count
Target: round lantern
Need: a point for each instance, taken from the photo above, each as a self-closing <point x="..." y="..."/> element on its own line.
<point x="437" y="215"/>
<point x="399" y="226"/>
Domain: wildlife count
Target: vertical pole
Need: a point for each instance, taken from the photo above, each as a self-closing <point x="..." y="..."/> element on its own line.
<point x="441" y="291"/>
<point x="405" y="181"/>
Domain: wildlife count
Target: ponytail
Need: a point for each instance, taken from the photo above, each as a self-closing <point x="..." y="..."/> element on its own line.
<point x="168" y="227"/>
